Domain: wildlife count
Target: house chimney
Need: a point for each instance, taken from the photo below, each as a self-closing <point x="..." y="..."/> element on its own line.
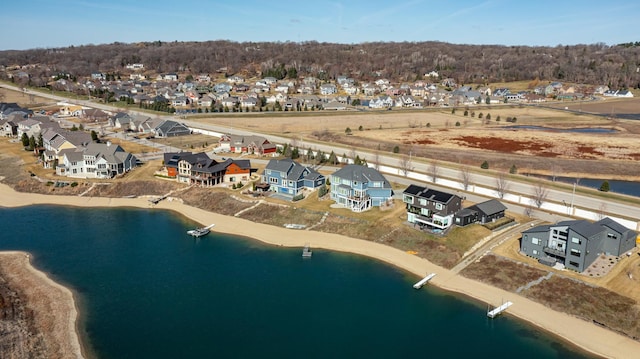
<point x="108" y="143"/>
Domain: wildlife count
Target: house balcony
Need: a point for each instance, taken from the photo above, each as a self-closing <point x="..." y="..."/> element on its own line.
<point x="430" y="221"/>
<point x="555" y="252"/>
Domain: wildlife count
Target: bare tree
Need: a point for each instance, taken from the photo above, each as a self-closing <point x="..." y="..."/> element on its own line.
<point x="465" y="177"/>
<point x="540" y="193"/>
<point x="352" y="154"/>
<point x="405" y="165"/>
<point x="434" y="170"/>
<point x="602" y="211"/>
<point x="554" y="172"/>
<point x="376" y="160"/>
<point x="502" y="184"/>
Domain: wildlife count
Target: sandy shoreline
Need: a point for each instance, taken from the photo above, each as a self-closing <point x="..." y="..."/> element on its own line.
<point x="579" y="332"/>
<point x="53" y="306"/>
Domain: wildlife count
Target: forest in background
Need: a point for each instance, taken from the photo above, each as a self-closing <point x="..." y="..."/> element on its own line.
<point x="616" y="66"/>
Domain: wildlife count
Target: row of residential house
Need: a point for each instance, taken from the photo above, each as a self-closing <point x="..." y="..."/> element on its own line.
<point x="236" y="91"/>
<point x="69" y="153"/>
<point x="158" y="127"/>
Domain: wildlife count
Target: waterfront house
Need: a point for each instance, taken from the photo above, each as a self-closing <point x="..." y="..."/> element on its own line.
<point x="576" y="244"/>
<point x="289" y="177"/>
<point x="359" y="188"/>
<point x="236" y="170"/>
<point x="199" y="169"/>
<point x="429" y="207"/>
<point x="96" y="160"/>
<point x="484" y="212"/>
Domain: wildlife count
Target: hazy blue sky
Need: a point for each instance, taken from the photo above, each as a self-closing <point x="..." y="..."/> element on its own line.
<point x="57" y="23"/>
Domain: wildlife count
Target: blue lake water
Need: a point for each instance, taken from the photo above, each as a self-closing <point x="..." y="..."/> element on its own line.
<point x="145" y="289"/>
<point x="623" y="187"/>
<point x="574" y="130"/>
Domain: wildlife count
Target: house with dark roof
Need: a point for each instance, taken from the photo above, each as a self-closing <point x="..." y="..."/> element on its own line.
<point x="199" y="169"/>
<point x="483" y="212"/>
<point x="429" y="207"/>
<point x="289" y="177"/>
<point x="359" y="188"/>
<point x="171" y="128"/>
<point x="577" y="243"/>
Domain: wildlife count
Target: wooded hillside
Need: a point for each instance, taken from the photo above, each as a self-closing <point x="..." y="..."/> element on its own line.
<point x="616" y="66"/>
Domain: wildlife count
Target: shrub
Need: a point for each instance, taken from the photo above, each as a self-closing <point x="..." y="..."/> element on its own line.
<point x="604" y="187"/>
<point x="74" y="184"/>
<point x="457" y="123"/>
<point x="297" y="197"/>
<point x="513" y="169"/>
<point x="396" y="149"/>
<point x="485" y="165"/>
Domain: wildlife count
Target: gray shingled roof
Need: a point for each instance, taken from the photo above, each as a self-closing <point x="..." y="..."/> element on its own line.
<point x="361" y="174"/>
<point x="615" y="226"/>
<point x="490" y="207"/>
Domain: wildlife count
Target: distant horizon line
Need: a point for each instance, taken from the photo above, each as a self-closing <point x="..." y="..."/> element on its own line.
<point x="601" y="43"/>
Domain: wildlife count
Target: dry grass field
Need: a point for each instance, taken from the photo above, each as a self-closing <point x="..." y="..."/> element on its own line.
<point x="453" y="137"/>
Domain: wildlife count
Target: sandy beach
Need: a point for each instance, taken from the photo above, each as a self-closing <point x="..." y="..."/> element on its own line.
<point x="579" y="332"/>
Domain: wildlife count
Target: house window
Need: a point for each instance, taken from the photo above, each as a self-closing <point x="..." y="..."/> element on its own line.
<point x="575" y="252"/>
<point x="575" y="264"/>
<point x="535" y="252"/>
<point x="439" y="206"/>
<point x="576" y="240"/>
<point x="423" y="202"/>
<point x="273" y="180"/>
<point x="291" y="183"/>
<point x="535" y="240"/>
<point x="424" y="211"/>
<point x="611" y="236"/>
<point x="408" y="199"/>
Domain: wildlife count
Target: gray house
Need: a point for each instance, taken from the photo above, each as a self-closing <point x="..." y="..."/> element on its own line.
<point x="429" y="207"/>
<point x="577" y="243"/>
<point x="484" y="212"/>
<point x="359" y="188"/>
<point x="289" y="177"/>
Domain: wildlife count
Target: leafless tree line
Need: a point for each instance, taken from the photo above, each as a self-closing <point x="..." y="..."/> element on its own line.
<point x="598" y="63"/>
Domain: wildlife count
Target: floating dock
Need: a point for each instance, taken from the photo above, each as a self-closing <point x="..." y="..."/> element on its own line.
<point x="424" y="281"/>
<point x="306" y="252"/>
<point x="495" y="311"/>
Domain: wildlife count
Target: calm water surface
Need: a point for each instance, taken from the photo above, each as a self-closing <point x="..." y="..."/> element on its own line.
<point x="145" y="289"/>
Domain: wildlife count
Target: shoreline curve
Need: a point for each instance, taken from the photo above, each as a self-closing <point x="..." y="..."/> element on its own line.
<point x="587" y="336"/>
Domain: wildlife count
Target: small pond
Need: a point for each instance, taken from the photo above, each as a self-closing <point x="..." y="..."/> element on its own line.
<point x="576" y="130"/>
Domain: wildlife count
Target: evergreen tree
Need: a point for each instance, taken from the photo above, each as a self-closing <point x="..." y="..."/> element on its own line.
<point x="484" y="165"/>
<point x="604" y="187"/>
<point x="32" y="142"/>
<point x="25" y="140"/>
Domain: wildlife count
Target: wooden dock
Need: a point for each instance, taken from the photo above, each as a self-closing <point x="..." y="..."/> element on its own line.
<point x="424" y="281"/>
<point x="496" y="311"/>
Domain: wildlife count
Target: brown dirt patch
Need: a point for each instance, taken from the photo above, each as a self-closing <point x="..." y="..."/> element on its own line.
<point x="214" y="200"/>
<point x="501" y="272"/>
<point x="597" y="304"/>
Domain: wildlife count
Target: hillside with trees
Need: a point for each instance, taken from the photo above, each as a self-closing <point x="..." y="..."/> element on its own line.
<point x="616" y="66"/>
